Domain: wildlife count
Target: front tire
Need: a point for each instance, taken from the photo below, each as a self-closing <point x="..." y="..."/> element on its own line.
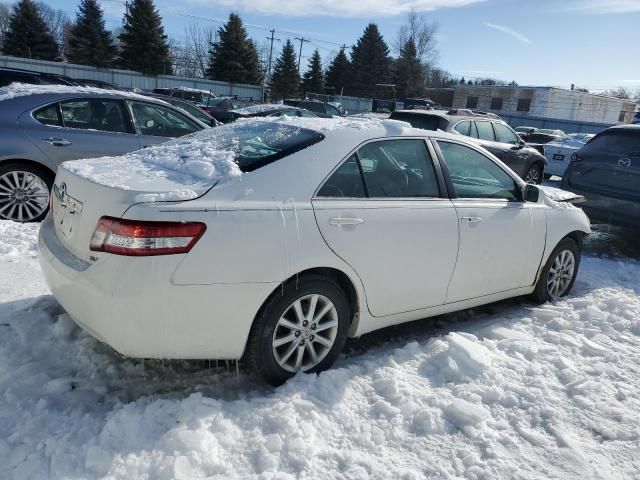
<point x="24" y="192"/>
<point x="534" y="174"/>
<point x="559" y="273"/>
<point x="301" y="328"/>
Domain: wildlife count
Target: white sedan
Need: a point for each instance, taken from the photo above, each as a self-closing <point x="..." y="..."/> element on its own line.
<point x="559" y="152"/>
<point x="274" y="241"/>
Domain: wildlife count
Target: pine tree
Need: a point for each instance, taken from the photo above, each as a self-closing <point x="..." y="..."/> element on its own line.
<point x="313" y="80"/>
<point x="144" y="45"/>
<point x="28" y="35"/>
<point x="90" y="43"/>
<point x="371" y="62"/>
<point x="234" y="57"/>
<point x="409" y="75"/>
<point x="285" y="80"/>
<point x="338" y="75"/>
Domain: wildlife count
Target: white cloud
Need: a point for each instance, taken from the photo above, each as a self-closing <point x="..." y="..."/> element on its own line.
<point x="509" y="31"/>
<point x="605" y="6"/>
<point x="336" y="8"/>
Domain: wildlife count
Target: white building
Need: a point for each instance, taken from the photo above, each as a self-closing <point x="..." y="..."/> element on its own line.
<point x="541" y="102"/>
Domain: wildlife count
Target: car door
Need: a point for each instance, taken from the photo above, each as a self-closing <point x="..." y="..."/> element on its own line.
<point x="384" y="213"/>
<point x="511" y="148"/>
<point x="157" y="123"/>
<point x="80" y="128"/>
<point x="501" y="237"/>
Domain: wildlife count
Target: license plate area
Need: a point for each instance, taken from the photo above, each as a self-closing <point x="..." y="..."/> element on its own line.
<point x="67" y="214"/>
<point x="558" y="156"/>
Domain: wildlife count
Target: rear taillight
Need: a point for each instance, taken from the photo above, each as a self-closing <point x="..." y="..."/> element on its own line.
<point x="139" y="239"/>
<point x="575" y="157"/>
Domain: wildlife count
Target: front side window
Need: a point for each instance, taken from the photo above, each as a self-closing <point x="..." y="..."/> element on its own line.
<point x="505" y="135"/>
<point x="485" y="131"/>
<point x="390" y="169"/>
<point x="49" y="115"/>
<point x="476" y="176"/>
<point x="95" y="114"/>
<point x="159" y="121"/>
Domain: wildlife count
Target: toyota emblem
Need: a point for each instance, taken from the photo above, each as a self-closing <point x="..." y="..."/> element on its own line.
<point x="60" y="191"/>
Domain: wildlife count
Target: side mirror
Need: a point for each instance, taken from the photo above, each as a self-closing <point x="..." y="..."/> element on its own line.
<point x="531" y="193"/>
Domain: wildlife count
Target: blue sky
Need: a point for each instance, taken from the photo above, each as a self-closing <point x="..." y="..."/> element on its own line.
<point x="592" y="43"/>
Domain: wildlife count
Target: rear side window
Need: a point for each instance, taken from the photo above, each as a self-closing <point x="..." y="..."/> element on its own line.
<point x="386" y="169"/>
<point x="95" y="114"/>
<point x="49" y="115"/>
<point x="425" y="122"/>
<point x="485" y="131"/>
<point x="476" y="176"/>
<point x="616" y="143"/>
<point x="463" y="128"/>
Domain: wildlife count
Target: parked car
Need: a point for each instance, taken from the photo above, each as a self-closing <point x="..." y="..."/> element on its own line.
<point x="271" y="110"/>
<point x="524" y="130"/>
<point x="487" y="130"/>
<point x="201" y="97"/>
<point x="309" y="232"/>
<point x="322" y="109"/>
<point x="44" y="126"/>
<point x="543" y="135"/>
<point x="191" y="108"/>
<point x="87" y="82"/>
<point x="558" y="153"/>
<point x="418" y="103"/>
<point x="11" y="75"/>
<point x="222" y="108"/>
<point x="607" y="172"/>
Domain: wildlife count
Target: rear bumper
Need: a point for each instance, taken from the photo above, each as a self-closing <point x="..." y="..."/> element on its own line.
<point x="131" y="305"/>
<point x="605" y="209"/>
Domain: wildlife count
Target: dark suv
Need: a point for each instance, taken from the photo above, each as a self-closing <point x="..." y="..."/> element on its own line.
<point x="11" y="75"/>
<point x="607" y="172"/>
<point x="488" y="130"/>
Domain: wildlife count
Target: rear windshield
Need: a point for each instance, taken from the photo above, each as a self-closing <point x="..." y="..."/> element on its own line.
<point x="255" y="144"/>
<point x="425" y="122"/>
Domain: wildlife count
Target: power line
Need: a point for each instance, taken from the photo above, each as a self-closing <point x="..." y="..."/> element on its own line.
<point x="302" y="41"/>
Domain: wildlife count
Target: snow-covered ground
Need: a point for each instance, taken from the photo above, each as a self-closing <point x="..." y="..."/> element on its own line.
<point x="508" y="391"/>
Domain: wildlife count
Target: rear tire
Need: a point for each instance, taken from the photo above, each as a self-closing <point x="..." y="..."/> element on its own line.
<point x="24" y="192"/>
<point x="289" y="334"/>
<point x="559" y="273"/>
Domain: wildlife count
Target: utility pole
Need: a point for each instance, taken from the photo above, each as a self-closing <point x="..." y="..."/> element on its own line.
<point x="302" y="40"/>
<point x="271" y="38"/>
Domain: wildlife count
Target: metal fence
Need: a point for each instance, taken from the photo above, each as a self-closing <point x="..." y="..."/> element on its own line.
<point x="130" y="79"/>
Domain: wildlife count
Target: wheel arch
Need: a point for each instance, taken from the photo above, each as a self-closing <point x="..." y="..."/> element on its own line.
<point x="26" y="161"/>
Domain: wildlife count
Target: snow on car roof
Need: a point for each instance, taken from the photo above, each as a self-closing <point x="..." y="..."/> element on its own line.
<point x="24" y="89"/>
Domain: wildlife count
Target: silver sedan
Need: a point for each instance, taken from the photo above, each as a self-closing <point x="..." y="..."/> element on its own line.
<point x="41" y="127"/>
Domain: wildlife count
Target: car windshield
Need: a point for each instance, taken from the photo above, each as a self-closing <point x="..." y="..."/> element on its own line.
<point x="254" y="144"/>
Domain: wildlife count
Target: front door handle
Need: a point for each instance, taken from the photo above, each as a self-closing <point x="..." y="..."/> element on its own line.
<point x="470" y="219"/>
<point x="56" y="142"/>
<point x="338" y="221"/>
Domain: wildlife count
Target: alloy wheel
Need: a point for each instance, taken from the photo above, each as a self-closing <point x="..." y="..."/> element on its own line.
<point x="561" y="274"/>
<point x="533" y="176"/>
<point x="305" y="333"/>
<point x="24" y="196"/>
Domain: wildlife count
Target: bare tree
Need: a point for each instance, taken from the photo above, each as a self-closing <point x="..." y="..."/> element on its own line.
<point x="198" y="41"/>
<point x="5" y="15"/>
<point x="423" y="33"/>
<point x="620" y="92"/>
<point x="58" y="22"/>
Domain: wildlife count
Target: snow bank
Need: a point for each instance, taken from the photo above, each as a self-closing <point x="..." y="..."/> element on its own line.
<point x="507" y="391"/>
<point x="22" y="89"/>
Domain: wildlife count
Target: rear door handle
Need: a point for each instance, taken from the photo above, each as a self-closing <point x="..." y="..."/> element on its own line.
<point x="56" y="142"/>
<point x="470" y="219"/>
<point x="338" y="221"/>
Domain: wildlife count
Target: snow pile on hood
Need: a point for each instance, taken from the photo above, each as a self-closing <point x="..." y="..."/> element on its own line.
<point x="557" y="194"/>
<point x="499" y="392"/>
<point x="23" y="89"/>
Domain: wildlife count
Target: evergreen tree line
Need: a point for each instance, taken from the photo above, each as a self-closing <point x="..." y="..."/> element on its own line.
<point x="232" y="56"/>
